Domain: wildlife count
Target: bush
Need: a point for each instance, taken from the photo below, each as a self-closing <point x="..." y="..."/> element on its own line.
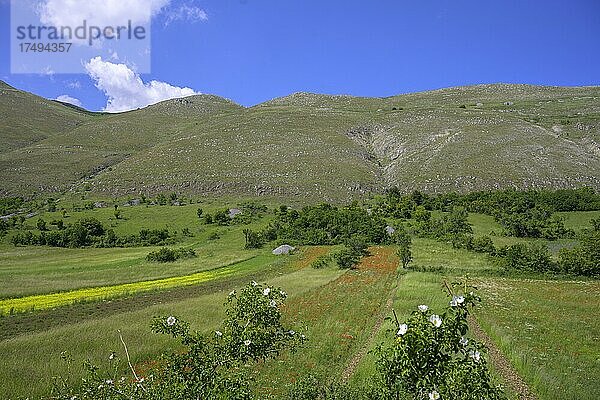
<point x="215" y="365"/>
<point x="404" y="242"/>
<point x="483" y="244"/>
<point x="254" y="240"/>
<point x="357" y="244"/>
<point x="346" y="258"/>
<point x="328" y="225"/>
<point x="90" y="232"/>
<point x="432" y="358"/>
<point x="536" y="222"/>
<point x="526" y="258"/>
<point x="583" y="259"/>
<point x="321" y="262"/>
<point x="214" y="236"/>
<point x="313" y="388"/>
<point x="222" y="217"/>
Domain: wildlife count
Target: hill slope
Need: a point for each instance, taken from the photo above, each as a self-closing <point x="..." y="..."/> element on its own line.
<point x="317" y="147"/>
<point x="26" y="119"/>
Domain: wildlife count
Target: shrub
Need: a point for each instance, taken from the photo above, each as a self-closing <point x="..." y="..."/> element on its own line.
<point x="583" y="259"/>
<point x="431" y="357"/>
<point x="222" y="217"/>
<point x="327" y="225"/>
<point x="214" y="236"/>
<point x="166" y="254"/>
<point x="41" y="225"/>
<point x="312" y="388"/>
<point x="321" y="262"/>
<point x="254" y="240"/>
<point x="357" y="244"/>
<point x="346" y="258"/>
<point x="483" y="244"/>
<point x="216" y="365"/>
<point x="404" y="242"/>
<point x="528" y="258"/>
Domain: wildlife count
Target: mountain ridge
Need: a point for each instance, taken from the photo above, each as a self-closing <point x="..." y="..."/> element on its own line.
<point x="323" y="147"/>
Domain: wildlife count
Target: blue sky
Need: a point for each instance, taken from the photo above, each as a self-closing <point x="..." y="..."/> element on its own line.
<point x="254" y="50"/>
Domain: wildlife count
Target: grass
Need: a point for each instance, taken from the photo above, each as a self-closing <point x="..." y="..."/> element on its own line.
<point x="414" y="288"/>
<point x="431" y="253"/>
<point x="338" y="318"/>
<point x="550" y="332"/>
<point x="51" y="270"/>
<point x="44" y="301"/>
<point x="210" y="147"/>
<point x="579" y="220"/>
<point x="336" y="309"/>
<point x="31" y="360"/>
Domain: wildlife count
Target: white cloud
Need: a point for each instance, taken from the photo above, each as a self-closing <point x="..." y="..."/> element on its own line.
<point x="100" y="13"/>
<point x="47" y="71"/>
<point x="185" y="13"/>
<point x="65" y="98"/>
<point x="74" y="84"/>
<point x="126" y="90"/>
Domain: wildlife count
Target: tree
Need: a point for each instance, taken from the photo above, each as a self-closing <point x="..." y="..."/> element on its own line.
<point x="254" y="239"/>
<point x="221" y="217"/>
<point x="41" y="225"/>
<point x="51" y="205"/>
<point x="346" y="258"/>
<point x="3" y="227"/>
<point x="456" y="222"/>
<point x="583" y="259"/>
<point x="358" y="244"/>
<point x="404" y="242"/>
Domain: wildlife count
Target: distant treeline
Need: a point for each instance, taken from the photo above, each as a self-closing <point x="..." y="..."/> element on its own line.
<point x="398" y="205"/>
<point x="490" y="202"/>
<point x="9" y="205"/>
<point x="520" y="213"/>
<point x="90" y="232"/>
<point x="583" y="259"/>
<point x="323" y="224"/>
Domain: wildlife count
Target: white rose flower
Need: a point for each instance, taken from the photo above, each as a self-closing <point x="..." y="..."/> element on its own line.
<point x="475" y="355"/>
<point x="402" y="329"/>
<point x="433" y="395"/>
<point x="423" y="308"/>
<point x="435" y="320"/>
<point x="266" y="291"/>
<point x="171" y="320"/>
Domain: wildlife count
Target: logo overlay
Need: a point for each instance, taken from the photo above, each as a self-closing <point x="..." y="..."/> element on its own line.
<point x="57" y="36"/>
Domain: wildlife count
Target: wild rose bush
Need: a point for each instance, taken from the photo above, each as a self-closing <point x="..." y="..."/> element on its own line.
<point x="211" y="366"/>
<point x="432" y="358"/>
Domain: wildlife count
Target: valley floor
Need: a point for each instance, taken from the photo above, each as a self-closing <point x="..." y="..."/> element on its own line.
<point x="547" y="329"/>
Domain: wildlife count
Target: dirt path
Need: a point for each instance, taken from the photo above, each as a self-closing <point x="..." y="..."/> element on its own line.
<point x="504" y="368"/>
<point x="384" y="263"/>
<point x="351" y="367"/>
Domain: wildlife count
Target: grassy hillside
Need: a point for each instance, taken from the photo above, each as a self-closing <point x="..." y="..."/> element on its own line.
<point x="310" y="145"/>
<point x="26" y="119"/>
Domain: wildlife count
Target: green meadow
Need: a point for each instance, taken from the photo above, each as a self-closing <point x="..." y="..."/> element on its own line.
<point x="73" y="303"/>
